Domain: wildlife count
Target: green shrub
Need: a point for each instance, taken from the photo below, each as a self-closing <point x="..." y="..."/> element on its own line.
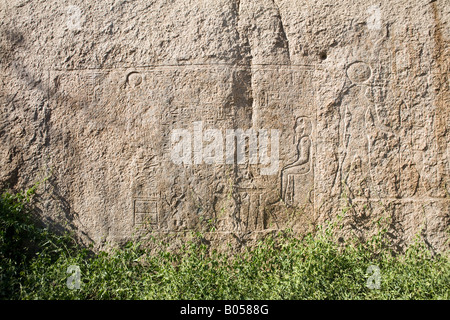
<point x="35" y="262"/>
<point x="23" y="243"/>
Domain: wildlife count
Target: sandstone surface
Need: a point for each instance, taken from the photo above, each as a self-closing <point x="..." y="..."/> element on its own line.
<point x="131" y="109"/>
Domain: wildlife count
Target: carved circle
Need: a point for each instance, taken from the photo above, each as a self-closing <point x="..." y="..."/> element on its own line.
<point x="359" y="72"/>
<point x="134" y="79"/>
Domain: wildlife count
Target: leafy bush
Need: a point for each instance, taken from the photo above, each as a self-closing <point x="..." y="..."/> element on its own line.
<point x="23" y="243"/>
<point x="35" y="262"/>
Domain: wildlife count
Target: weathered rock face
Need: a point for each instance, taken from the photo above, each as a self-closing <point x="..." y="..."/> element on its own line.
<point x="229" y="117"/>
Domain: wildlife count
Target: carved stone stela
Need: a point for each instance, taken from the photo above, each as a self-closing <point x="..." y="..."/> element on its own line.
<point x="236" y="119"/>
<point x="140" y="108"/>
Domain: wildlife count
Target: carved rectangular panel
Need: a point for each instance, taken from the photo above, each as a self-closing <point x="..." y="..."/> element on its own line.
<point x="146" y="212"/>
<point x="124" y="121"/>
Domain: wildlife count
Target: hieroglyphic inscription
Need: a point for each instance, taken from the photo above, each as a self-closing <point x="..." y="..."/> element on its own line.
<point x="136" y="110"/>
<point x="146" y="211"/>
